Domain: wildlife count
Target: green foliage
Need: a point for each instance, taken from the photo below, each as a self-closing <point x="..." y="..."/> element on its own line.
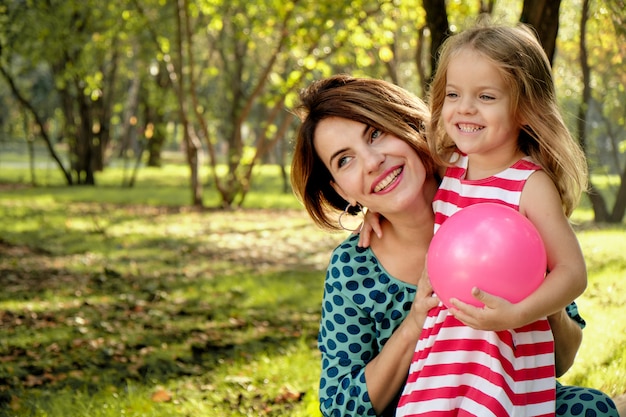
<point x="250" y="60"/>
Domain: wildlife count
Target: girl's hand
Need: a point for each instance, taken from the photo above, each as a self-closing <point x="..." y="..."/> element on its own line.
<point x="497" y="313"/>
<point x="371" y="223"/>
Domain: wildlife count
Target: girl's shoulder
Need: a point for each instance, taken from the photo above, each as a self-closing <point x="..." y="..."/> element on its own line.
<point x="527" y="163"/>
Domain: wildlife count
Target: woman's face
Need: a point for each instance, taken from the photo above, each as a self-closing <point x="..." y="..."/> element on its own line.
<point x="371" y="167"/>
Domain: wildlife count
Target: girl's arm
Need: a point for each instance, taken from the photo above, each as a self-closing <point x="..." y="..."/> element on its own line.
<point x="567" y="275"/>
<point x="567" y="271"/>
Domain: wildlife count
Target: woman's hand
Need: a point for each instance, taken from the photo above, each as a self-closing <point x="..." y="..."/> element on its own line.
<point x="423" y="302"/>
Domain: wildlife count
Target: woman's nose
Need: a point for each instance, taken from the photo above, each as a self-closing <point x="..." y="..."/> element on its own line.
<point x="373" y="159"/>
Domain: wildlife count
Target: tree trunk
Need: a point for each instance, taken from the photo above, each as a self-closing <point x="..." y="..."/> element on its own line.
<point x="102" y="109"/>
<point x="155" y="140"/>
<point x="84" y="138"/>
<point x="544" y="17"/>
<point x="619" y="209"/>
<point x="30" y="144"/>
<point x="190" y="138"/>
<point x="128" y="139"/>
<point x="43" y="132"/>
<point x="597" y="201"/>
<point x="437" y="22"/>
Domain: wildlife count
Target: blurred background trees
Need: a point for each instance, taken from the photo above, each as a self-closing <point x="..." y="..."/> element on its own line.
<point x="125" y="80"/>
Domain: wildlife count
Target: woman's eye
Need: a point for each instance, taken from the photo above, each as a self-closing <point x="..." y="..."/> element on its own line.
<point x="342" y="161"/>
<point x="376" y="133"/>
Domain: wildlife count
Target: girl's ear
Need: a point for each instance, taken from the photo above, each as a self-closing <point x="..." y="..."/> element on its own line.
<point x="522" y="120"/>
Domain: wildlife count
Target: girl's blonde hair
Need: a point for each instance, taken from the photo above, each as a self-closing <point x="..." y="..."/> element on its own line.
<point x="527" y="73"/>
<point x="376" y="103"/>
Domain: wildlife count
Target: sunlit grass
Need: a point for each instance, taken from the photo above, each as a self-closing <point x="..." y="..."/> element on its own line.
<point x="112" y="401"/>
<point x="601" y="361"/>
<point x="248" y="386"/>
<point x="164" y="186"/>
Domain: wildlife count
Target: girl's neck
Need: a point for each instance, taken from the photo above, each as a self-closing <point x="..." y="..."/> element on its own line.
<point x="484" y="166"/>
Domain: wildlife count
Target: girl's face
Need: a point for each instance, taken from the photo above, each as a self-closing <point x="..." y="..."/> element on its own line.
<point x="368" y="166"/>
<point x="477" y="112"/>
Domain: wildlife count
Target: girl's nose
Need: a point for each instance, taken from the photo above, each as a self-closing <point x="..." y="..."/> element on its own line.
<point x="466" y="105"/>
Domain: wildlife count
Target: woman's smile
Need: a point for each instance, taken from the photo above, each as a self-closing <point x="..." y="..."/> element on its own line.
<point x="389" y="180"/>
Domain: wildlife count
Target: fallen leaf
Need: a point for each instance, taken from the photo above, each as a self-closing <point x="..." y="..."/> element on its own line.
<point x="161" y="396"/>
<point x="15" y="404"/>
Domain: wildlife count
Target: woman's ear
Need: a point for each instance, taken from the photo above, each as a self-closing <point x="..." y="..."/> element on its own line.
<point x="342" y="194"/>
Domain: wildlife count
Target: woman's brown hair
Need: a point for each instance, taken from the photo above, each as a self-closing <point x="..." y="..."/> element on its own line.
<point x="376" y="103"/>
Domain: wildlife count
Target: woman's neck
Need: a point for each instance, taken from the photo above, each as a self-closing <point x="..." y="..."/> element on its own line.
<point x="403" y="246"/>
<point x="406" y="236"/>
<point x="415" y="222"/>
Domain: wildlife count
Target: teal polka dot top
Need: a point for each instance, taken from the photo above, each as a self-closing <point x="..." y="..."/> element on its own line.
<point x="361" y="308"/>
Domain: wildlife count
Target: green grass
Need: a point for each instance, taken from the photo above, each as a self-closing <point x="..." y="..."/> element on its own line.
<point x="109" y="300"/>
<point x="164" y="186"/>
<point x="601" y="362"/>
<point x="123" y="302"/>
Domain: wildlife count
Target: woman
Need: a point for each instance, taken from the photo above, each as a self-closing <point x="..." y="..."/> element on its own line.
<point x="362" y="144"/>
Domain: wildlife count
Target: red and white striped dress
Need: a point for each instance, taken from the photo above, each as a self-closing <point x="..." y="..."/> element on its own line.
<point x="460" y="371"/>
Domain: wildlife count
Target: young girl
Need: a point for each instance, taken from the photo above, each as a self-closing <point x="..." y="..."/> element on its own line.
<point x="496" y="124"/>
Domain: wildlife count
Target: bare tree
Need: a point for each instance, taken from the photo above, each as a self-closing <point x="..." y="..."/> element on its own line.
<point x="43" y="131"/>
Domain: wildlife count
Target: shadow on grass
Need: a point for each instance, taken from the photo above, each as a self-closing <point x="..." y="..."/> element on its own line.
<point x="102" y="323"/>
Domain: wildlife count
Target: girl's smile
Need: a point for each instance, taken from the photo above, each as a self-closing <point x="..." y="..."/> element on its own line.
<point x="469" y="128"/>
<point x="477" y="111"/>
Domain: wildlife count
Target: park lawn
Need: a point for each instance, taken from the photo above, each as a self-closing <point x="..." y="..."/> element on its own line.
<point x="124" y="302"/>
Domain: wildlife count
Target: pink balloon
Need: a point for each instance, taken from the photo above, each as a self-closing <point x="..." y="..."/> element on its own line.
<point x="489" y="246"/>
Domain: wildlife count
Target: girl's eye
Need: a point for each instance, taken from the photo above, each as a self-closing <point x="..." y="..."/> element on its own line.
<point x="451" y="95"/>
<point x="487" y="97"/>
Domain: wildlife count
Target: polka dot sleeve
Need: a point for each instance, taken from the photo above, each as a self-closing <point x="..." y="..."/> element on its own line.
<point x="361" y="307"/>
<point x="572" y="312"/>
